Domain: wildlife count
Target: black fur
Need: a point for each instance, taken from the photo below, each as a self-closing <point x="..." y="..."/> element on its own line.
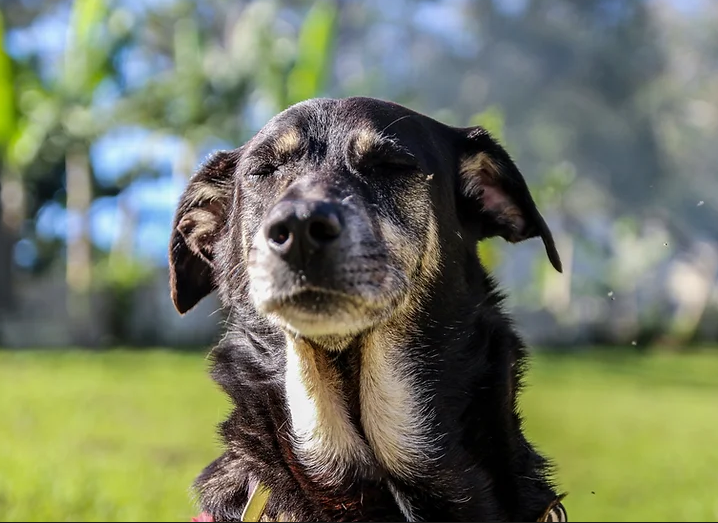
<point x="464" y="349"/>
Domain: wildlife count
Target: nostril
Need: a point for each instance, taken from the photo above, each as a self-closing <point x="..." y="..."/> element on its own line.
<point x="297" y="229"/>
<point x="324" y="229"/>
<point x="279" y="233"/>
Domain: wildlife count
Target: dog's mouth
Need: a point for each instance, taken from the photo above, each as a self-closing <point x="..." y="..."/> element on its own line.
<point x="311" y="301"/>
<point x="316" y="312"/>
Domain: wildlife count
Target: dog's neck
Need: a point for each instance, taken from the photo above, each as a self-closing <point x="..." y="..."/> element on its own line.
<point x="358" y="410"/>
<point x="424" y="406"/>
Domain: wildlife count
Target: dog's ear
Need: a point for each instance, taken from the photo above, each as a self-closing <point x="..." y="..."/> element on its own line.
<point x="200" y="216"/>
<point x="494" y="199"/>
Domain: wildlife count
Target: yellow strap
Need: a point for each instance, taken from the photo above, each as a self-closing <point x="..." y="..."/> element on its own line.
<point x="257" y="503"/>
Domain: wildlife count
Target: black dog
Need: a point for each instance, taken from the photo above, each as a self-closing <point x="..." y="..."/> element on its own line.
<point x="373" y="372"/>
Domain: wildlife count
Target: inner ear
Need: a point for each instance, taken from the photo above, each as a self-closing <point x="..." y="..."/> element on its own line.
<point x="494" y="198"/>
<point x="482" y="185"/>
<point x="199" y="228"/>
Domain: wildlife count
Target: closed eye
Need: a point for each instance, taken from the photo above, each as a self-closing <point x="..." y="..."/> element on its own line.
<point x="262" y="171"/>
<point x="392" y="166"/>
<point x="394" y="163"/>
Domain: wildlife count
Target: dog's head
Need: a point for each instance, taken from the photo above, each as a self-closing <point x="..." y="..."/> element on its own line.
<point x="337" y="215"/>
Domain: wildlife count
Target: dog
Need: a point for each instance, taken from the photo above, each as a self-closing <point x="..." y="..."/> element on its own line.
<point x="373" y="373"/>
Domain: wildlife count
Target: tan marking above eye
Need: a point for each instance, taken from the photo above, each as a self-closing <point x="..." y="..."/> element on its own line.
<point x="365" y="141"/>
<point x="287" y="143"/>
<point x="372" y="150"/>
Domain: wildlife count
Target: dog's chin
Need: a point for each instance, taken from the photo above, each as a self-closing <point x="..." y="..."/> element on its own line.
<point x="327" y="317"/>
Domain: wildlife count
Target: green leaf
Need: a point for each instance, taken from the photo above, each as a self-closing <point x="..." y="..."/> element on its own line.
<point x="83" y="53"/>
<point x="314" y="53"/>
<point x="86" y="13"/>
<point x="489" y="254"/>
<point x="491" y="119"/>
<point x="8" y="120"/>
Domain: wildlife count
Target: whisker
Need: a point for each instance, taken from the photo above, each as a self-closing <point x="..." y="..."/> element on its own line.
<point x="396" y="121"/>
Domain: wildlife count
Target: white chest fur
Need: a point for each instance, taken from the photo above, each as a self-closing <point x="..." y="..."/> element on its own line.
<point x="394" y="418"/>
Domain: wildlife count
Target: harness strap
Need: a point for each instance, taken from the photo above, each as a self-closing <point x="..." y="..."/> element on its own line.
<point x="257" y="503"/>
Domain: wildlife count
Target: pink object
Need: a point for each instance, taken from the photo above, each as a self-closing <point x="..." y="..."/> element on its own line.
<point x="203" y="517"/>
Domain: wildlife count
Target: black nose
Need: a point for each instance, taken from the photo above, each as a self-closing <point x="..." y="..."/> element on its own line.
<point x="297" y="229"/>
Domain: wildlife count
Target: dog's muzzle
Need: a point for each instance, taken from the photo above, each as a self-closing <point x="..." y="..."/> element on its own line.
<point x="304" y="233"/>
<point x="308" y="271"/>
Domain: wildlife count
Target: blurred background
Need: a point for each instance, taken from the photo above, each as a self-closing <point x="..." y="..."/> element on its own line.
<point x="107" y="106"/>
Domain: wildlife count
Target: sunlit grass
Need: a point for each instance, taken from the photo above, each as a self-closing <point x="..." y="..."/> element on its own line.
<point x="114" y="436"/>
<point x="634" y="438"/>
<point x="121" y="435"/>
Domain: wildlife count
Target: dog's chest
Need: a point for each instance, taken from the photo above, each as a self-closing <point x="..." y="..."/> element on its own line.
<point x="356" y="412"/>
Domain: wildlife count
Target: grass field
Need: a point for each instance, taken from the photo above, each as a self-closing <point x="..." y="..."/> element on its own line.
<point x="119" y="436"/>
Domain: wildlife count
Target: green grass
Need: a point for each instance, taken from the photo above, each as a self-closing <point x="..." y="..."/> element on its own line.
<point x="121" y="435"/>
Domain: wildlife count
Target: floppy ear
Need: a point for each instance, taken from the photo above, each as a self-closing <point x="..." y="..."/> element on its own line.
<point x="494" y="198"/>
<point x="200" y="216"/>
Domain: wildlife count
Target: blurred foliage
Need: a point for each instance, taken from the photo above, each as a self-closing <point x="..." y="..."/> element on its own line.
<point x="491" y="119"/>
<point x="314" y="53"/>
<point x="608" y="107"/>
<point x="119" y="276"/>
<point x="122" y="273"/>
<point x="7" y="95"/>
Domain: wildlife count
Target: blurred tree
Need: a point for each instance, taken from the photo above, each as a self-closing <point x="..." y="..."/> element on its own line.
<point x="85" y="67"/>
<point x="576" y="80"/>
<point x="686" y="98"/>
<point x="594" y="63"/>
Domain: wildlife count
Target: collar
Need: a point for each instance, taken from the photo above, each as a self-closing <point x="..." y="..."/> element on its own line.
<point x="257" y="504"/>
<point x="555" y="513"/>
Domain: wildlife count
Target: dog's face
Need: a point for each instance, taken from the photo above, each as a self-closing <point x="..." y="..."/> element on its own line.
<point x="336" y="214"/>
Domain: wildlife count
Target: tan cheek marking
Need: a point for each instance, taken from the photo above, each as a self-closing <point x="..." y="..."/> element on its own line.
<point x="246" y="241"/>
<point x="395" y="416"/>
<point x="405" y="252"/>
<point x="431" y="260"/>
<point x="243" y="237"/>
<point x="425" y="252"/>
